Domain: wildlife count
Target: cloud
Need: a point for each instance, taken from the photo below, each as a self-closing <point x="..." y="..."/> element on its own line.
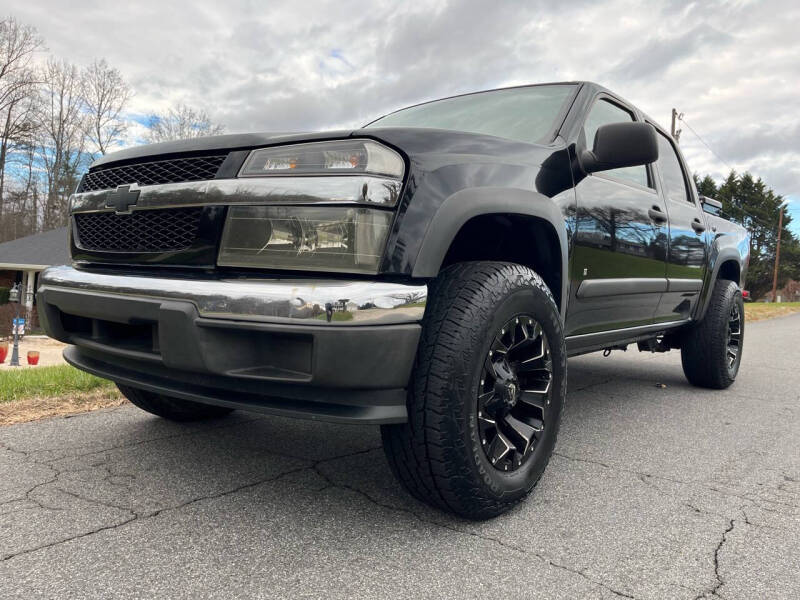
<point x="657" y="55"/>
<point x="731" y="67"/>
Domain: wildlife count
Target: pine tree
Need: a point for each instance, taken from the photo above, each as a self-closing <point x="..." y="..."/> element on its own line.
<point x="752" y="204"/>
<point x="706" y="186"/>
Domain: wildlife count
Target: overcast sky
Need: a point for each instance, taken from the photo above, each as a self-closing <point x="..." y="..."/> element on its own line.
<point x="733" y="68"/>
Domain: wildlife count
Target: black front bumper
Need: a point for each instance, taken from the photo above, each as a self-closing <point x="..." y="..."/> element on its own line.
<point x="273" y="357"/>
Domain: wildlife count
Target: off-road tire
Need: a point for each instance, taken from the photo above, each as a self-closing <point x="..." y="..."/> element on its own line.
<point x="704" y="347"/>
<point x="174" y="409"/>
<point x="437" y="455"/>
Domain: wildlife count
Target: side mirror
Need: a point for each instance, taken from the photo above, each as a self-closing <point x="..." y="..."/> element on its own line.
<point x="619" y="145"/>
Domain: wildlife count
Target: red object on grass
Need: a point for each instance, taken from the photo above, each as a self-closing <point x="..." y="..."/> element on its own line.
<point x="3" y="352"/>
<point x="33" y="357"/>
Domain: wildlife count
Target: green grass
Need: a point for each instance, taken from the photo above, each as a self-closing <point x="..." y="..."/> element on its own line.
<point x="758" y="311"/>
<point x="337" y="316"/>
<point x="419" y="304"/>
<point x="16" y="384"/>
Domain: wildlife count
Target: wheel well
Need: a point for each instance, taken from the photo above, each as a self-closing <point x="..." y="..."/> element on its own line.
<point x="516" y="238"/>
<point x="730" y="271"/>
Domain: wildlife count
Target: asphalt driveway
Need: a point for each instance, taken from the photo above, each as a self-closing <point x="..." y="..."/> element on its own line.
<point x="654" y="492"/>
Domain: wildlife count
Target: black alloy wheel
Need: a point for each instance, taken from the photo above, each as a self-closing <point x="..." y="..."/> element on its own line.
<point x="734" y="337"/>
<point x="514" y="392"/>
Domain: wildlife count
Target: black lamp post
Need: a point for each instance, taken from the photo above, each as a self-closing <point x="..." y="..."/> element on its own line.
<point x="13" y="296"/>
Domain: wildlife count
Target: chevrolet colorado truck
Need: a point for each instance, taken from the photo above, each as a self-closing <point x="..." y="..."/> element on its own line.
<point x="430" y="272"/>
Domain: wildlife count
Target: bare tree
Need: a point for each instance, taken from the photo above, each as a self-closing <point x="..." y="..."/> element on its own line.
<point x="62" y="141"/>
<point x="17" y="45"/>
<point x="17" y="84"/>
<point x="105" y="94"/>
<point x="16" y="131"/>
<point x="181" y="122"/>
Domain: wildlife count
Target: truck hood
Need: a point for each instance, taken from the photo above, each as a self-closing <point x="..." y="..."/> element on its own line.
<point x="233" y="141"/>
<point x="412" y="141"/>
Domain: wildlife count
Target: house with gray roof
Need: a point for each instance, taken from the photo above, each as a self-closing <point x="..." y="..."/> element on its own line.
<point x="22" y="260"/>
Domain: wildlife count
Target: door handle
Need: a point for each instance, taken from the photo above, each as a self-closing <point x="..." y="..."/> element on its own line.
<point x="657" y="215"/>
<point x="698" y="226"/>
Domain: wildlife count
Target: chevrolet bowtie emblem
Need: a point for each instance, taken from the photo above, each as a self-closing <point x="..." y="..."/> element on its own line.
<point x="122" y="199"/>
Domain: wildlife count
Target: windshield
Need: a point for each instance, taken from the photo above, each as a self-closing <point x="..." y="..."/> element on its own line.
<point x="526" y="114"/>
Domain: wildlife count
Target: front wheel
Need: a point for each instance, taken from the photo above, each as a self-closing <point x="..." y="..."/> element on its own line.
<point x="486" y="393"/>
<point x="174" y="409"/>
<point x="711" y="351"/>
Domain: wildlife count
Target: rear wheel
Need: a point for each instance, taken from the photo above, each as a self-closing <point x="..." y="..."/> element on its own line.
<point x="711" y="351"/>
<point x="174" y="409"/>
<point x="486" y="394"/>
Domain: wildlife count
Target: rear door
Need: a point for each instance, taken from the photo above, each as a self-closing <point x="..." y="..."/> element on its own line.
<point x="620" y="244"/>
<point x="686" y="258"/>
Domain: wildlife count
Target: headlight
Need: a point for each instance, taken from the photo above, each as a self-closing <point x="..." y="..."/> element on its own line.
<point x="312" y="238"/>
<point x="342" y="157"/>
<point x="309" y="236"/>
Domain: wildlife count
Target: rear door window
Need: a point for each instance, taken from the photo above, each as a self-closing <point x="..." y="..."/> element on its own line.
<point x="672" y="174"/>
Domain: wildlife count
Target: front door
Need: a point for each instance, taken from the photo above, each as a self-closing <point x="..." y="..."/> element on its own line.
<point x="618" y="271"/>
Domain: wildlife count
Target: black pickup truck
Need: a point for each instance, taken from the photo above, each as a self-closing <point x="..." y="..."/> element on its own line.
<point x="430" y="272"/>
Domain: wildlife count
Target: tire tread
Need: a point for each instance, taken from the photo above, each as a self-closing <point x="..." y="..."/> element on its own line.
<point x="703" y="349"/>
<point x="421" y="453"/>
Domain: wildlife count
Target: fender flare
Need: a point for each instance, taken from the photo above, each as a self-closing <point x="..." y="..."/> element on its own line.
<point x="725" y="254"/>
<point x="466" y="204"/>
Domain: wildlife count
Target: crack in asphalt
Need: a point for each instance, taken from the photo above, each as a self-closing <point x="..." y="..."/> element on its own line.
<point x="314" y="467"/>
<point x="66" y="456"/>
<point x="713" y="591"/>
<point x="590" y="385"/>
<point x="333" y="484"/>
<point x="143" y="516"/>
<point x="644" y="476"/>
<point x="135" y="517"/>
<point x="131" y="516"/>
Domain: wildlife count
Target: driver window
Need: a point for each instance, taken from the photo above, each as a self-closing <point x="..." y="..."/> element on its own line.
<point x="603" y="113"/>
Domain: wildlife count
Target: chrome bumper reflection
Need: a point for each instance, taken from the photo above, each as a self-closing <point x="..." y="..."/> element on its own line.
<point x="364" y="189"/>
<point x="336" y="302"/>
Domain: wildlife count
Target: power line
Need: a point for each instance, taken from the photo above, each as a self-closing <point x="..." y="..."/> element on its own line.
<point x="758" y="220"/>
<point x="697" y="135"/>
<point x="680" y="117"/>
<point x="755" y="219"/>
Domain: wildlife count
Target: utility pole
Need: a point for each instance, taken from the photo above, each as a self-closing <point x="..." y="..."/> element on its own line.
<point x="676" y="133"/>
<point x="777" y="258"/>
